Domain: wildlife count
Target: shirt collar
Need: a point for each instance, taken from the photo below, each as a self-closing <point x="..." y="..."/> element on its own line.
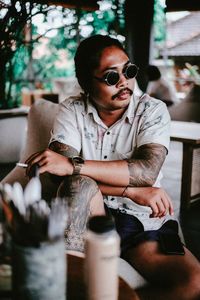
<point x="129" y="114"/>
<point x="90" y="109"/>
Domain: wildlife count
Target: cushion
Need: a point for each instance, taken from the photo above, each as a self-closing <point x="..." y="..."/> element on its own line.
<point x="12" y="144"/>
<point x="40" y="122"/>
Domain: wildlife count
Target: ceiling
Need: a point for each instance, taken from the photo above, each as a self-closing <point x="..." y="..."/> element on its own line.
<point x="171" y="5"/>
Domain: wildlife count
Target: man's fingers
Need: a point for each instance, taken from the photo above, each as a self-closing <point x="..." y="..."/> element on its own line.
<point x="171" y="208"/>
<point x="161" y="208"/>
<point x="168" y="204"/>
<point x="36" y="160"/>
<point x="161" y="205"/>
<point x="33" y="156"/>
<point x="154" y="208"/>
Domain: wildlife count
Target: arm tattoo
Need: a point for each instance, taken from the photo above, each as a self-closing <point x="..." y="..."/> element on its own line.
<point x="63" y="149"/>
<point x="144" y="167"/>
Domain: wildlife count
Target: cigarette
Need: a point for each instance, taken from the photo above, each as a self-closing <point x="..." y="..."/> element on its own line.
<point x="22" y="165"/>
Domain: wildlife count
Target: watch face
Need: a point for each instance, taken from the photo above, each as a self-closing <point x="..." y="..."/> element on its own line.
<point x="78" y="160"/>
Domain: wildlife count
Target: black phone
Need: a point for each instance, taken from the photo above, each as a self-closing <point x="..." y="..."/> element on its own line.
<point x="171" y="243"/>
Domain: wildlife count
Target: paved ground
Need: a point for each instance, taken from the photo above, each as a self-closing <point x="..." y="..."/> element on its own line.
<point x="172" y="174"/>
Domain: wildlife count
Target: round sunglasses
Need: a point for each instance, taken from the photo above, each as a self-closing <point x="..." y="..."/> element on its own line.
<point x="112" y="77"/>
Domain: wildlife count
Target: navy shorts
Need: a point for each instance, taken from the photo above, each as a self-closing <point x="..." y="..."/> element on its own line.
<point x="131" y="230"/>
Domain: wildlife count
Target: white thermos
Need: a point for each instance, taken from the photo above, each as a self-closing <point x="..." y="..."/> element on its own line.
<point x="102" y="248"/>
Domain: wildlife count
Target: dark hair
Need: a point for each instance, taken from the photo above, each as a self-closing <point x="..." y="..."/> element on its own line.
<point x="88" y="55"/>
<point x="153" y="73"/>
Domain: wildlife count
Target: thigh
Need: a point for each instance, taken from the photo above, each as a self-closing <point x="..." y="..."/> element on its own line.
<point x="97" y="205"/>
<point x="157" y="267"/>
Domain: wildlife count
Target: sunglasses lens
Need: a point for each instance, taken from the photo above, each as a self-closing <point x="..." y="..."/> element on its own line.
<point x="112" y="78"/>
<point x="131" y="71"/>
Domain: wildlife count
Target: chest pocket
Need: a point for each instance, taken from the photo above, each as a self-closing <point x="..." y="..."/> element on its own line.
<point x="126" y="146"/>
<point x="125" y="155"/>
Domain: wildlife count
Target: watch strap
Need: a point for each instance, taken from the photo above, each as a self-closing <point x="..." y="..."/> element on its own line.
<point x="77" y="163"/>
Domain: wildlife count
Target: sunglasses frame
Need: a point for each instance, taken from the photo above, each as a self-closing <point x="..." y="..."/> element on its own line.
<point x="124" y="72"/>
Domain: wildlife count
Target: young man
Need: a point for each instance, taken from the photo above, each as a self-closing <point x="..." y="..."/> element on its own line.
<point x="109" y="144"/>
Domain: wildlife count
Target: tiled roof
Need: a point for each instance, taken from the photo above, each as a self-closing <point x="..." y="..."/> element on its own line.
<point x="183" y="36"/>
<point x="191" y="47"/>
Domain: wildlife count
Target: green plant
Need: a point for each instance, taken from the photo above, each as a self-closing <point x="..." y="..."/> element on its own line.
<point x="14" y="16"/>
<point x="19" y="68"/>
<point x="193" y="73"/>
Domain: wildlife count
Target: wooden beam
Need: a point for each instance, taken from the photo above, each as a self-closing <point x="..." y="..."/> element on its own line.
<point x="181" y="5"/>
<point x="89" y="5"/>
<point x="138" y="27"/>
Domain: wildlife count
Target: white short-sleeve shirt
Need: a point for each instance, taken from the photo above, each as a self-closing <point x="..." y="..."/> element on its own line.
<point x="145" y="121"/>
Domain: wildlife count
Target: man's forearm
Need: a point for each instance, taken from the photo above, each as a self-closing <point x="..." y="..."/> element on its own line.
<point x="142" y="170"/>
<point x="114" y="173"/>
<point x="155" y="198"/>
<point x="108" y="190"/>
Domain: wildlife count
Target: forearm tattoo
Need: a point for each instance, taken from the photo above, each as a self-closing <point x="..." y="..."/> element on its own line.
<point x="144" y="167"/>
<point x="63" y="149"/>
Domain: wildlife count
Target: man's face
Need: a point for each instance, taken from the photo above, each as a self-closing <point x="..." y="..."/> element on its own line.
<point x="115" y="97"/>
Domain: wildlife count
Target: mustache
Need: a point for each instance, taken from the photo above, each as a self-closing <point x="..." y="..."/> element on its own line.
<point x="121" y="91"/>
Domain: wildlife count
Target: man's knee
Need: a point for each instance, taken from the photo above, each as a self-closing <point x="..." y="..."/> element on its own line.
<point x="76" y="186"/>
<point x="192" y="286"/>
<point x="186" y="283"/>
<point x="78" y="190"/>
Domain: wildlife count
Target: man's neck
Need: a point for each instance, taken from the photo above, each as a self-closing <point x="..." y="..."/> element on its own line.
<point x="111" y="117"/>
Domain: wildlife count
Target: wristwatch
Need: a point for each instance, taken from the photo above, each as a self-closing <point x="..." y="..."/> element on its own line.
<point x="77" y="163"/>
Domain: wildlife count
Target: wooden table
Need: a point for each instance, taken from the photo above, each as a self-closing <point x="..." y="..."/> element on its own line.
<point x="185" y="111"/>
<point x="75" y="282"/>
<point x="188" y="134"/>
<point x="76" y="288"/>
<point x="14" y="112"/>
<point x="29" y="97"/>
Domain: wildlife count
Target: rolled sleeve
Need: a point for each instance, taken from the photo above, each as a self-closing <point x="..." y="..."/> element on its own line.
<point x="154" y="125"/>
<point x="65" y="129"/>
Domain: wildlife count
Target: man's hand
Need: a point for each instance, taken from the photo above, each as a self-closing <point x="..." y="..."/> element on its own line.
<point x="51" y="162"/>
<point x="156" y="198"/>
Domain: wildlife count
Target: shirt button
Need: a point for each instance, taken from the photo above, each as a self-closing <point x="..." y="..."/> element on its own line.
<point x="108" y="132"/>
<point x="105" y="156"/>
